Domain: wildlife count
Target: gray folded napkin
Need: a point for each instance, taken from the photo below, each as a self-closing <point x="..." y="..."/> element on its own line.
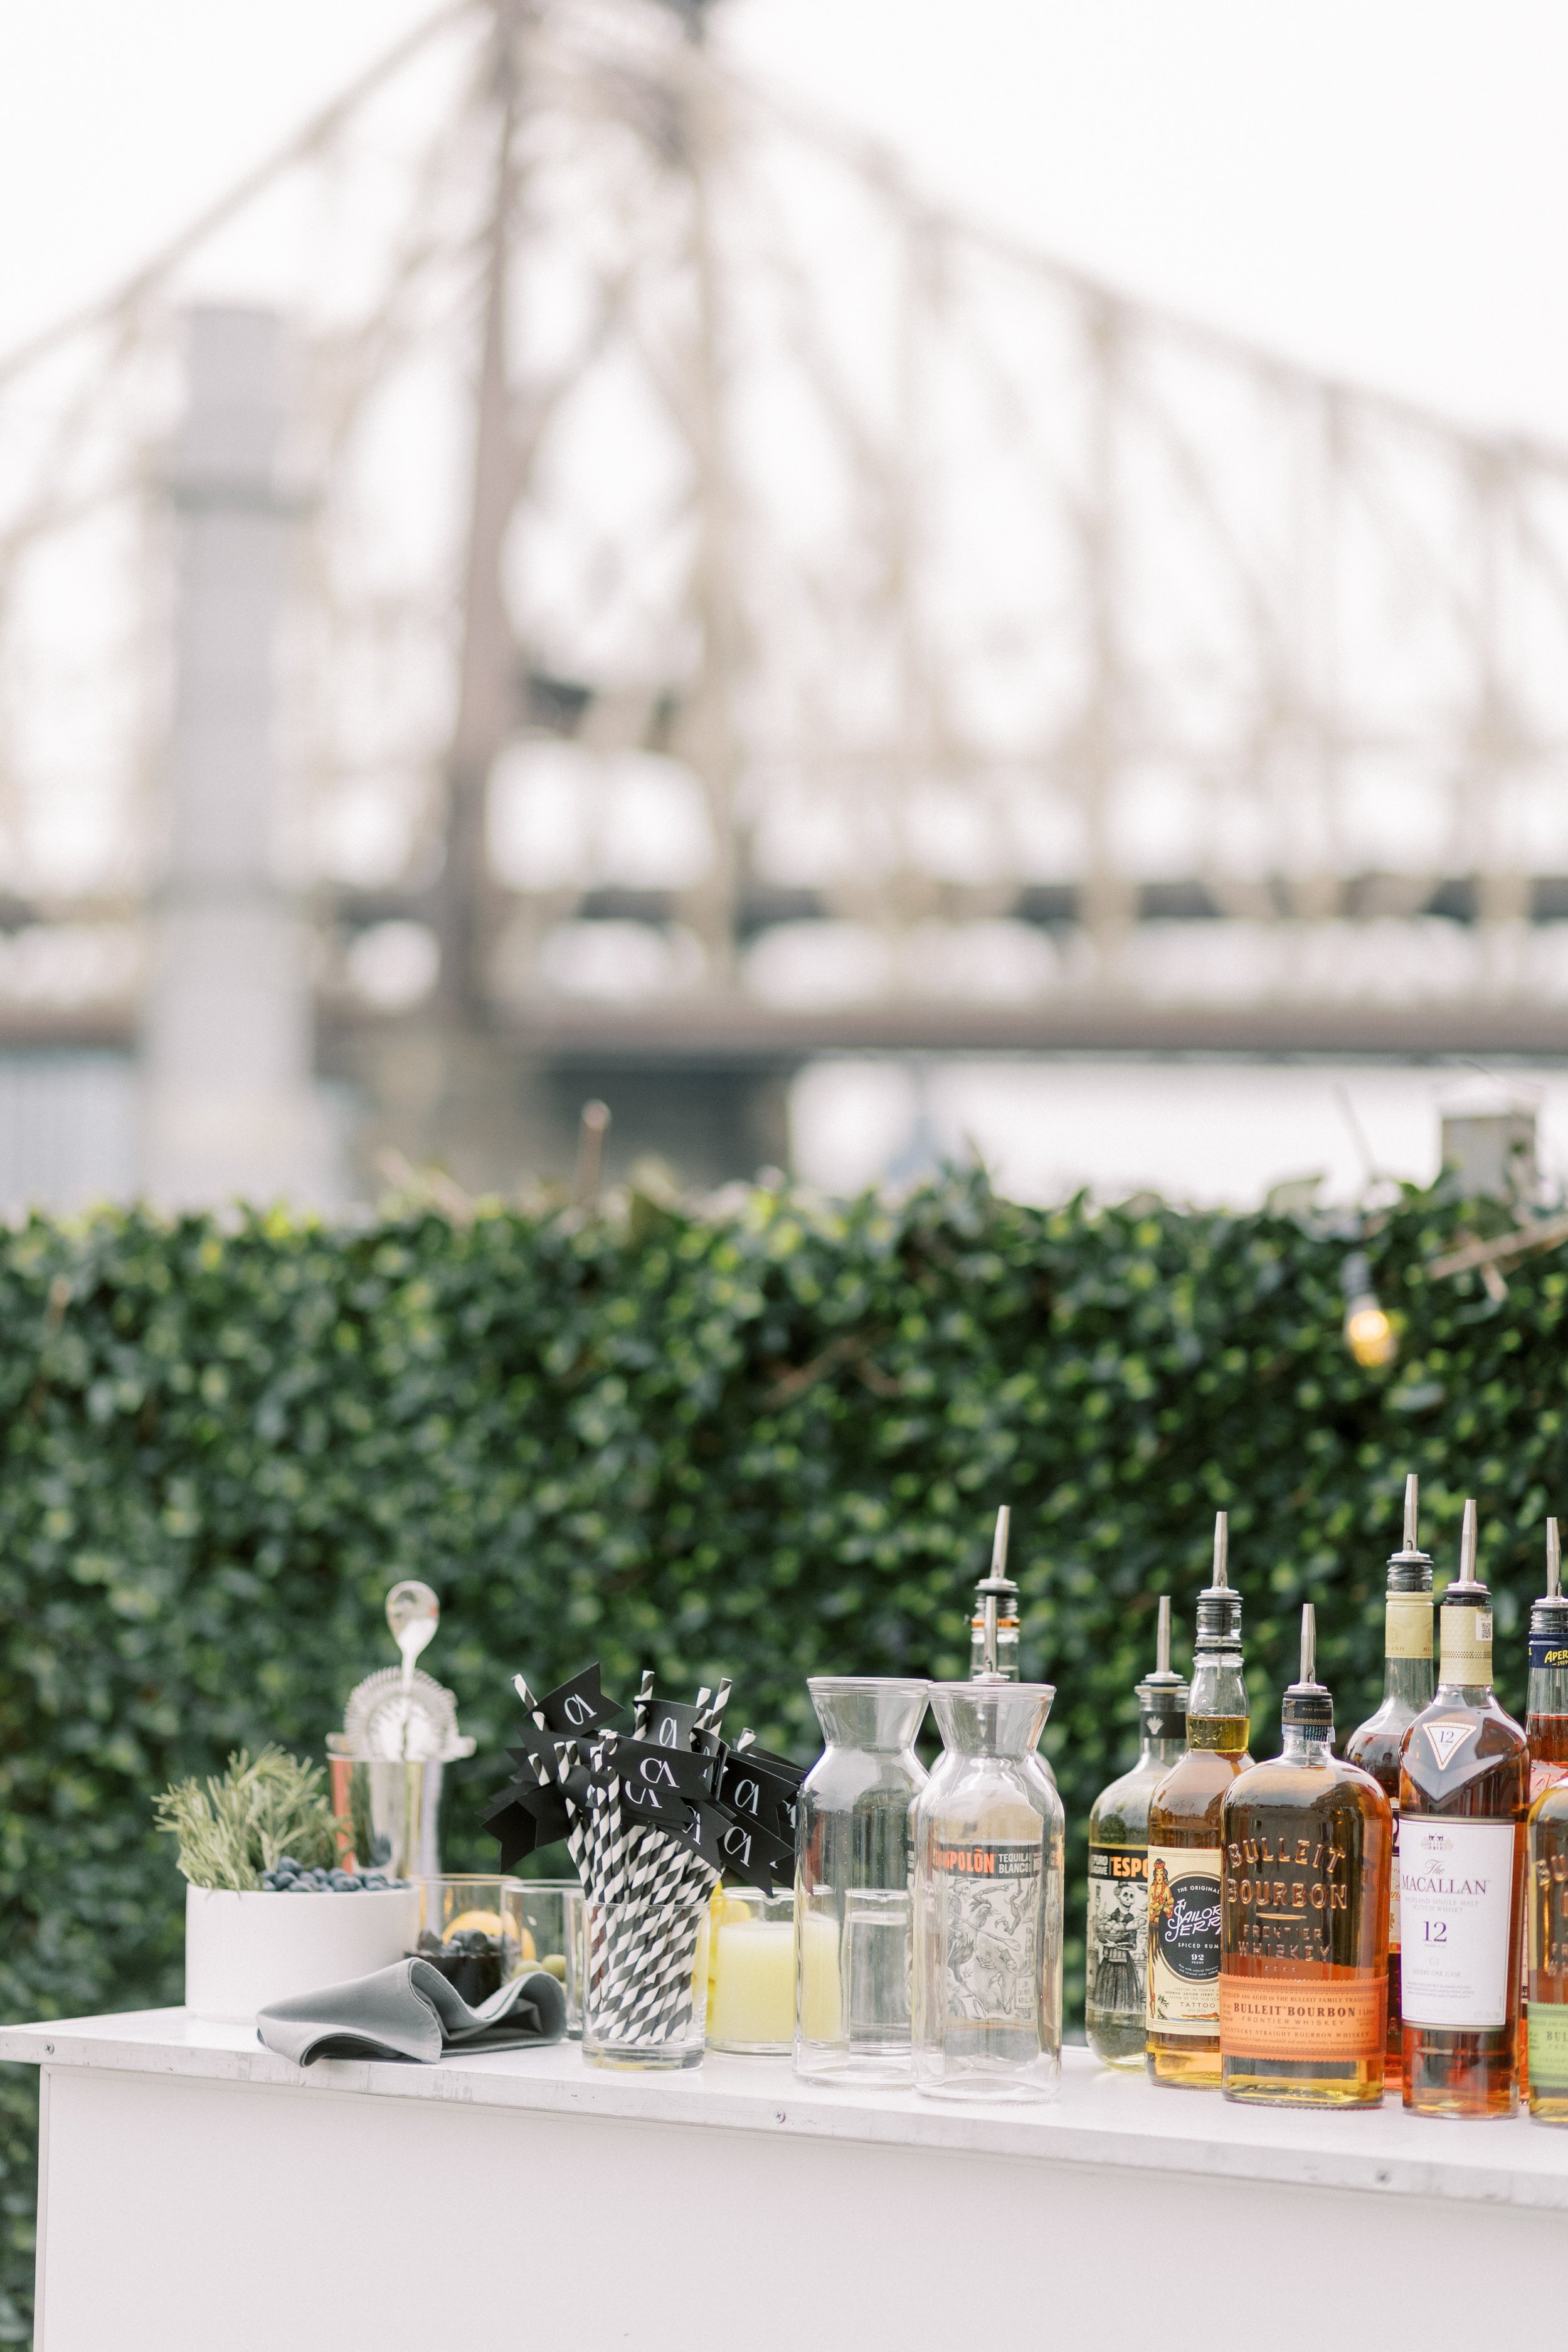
<point x="409" y="2011"/>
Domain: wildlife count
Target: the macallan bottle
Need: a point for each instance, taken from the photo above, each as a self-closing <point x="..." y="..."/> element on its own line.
<point x="1303" y="1987"/>
<point x="1118" y="1921"/>
<point x="1407" y="1689"/>
<point x="1184" y="1848"/>
<point x="1546" y="1730"/>
<point x="1464" y="1786"/>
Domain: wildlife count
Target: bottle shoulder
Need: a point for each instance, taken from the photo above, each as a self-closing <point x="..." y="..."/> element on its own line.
<point x="1375" y="1744"/>
<point x="1464" y="1755"/>
<point x="1550" y="1811"/>
<point x="1119" y="1814"/>
<point x="1188" y="1797"/>
<point x="1281" y="1786"/>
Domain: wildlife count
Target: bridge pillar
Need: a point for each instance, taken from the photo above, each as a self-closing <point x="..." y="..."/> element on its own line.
<point x="228" y="1106"/>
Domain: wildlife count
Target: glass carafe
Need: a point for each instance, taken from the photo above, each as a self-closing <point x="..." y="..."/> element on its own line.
<point x="988" y="1900"/>
<point x="854" y="1876"/>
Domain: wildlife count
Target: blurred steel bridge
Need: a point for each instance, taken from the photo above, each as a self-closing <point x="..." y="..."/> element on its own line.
<point x="709" y="605"/>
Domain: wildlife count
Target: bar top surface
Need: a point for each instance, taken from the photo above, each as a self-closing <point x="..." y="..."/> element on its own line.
<point x="1102" y="2117"/>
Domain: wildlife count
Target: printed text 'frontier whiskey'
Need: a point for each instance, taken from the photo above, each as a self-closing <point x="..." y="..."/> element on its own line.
<point x="1184" y="1857"/>
<point x="1376" y="1744"/>
<point x="1463" y="1788"/>
<point x="1303" y="1988"/>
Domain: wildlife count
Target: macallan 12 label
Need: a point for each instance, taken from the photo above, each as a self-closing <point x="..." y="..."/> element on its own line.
<point x="1455" y="1891"/>
<point x="1183" y="1938"/>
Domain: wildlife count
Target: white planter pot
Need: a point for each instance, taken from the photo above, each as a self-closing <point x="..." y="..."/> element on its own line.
<point x="244" y="1951"/>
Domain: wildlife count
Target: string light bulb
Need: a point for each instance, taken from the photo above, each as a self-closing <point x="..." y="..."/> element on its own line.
<point x="1368" y="1334"/>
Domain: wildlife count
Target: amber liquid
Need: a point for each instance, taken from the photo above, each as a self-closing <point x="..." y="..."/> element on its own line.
<point x="1546" y="1899"/>
<point x="1187" y="1812"/>
<point x="1285" y="1938"/>
<point x="1447" y="2071"/>
<point x="1376" y="1747"/>
<point x="1548" y="1738"/>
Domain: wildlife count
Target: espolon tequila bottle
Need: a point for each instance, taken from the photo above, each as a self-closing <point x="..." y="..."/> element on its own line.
<point x="1303" y="1987"/>
<point x="1463" y="1790"/>
<point x="1118" y="1919"/>
<point x="1377" y="1743"/>
<point x="1184" y="1852"/>
<point x="1546" y="1730"/>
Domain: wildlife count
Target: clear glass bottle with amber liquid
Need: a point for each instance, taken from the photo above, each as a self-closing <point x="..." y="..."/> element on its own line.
<point x="1546" y="1730"/>
<point x="1181" y="2013"/>
<point x="1464" y="1786"/>
<point x="1303" y="1987"/>
<point x="1376" y="1744"/>
<point x="1546" y="1907"/>
<point x="993" y="1621"/>
<point x="1118" y="1934"/>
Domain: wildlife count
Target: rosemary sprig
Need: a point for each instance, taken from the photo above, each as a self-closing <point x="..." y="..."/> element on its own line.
<point x="230" y="1829"/>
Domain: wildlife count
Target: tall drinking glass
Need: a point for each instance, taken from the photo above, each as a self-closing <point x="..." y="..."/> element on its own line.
<point x="854" y="1876"/>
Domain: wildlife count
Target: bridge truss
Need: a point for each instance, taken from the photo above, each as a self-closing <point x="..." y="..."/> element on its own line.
<point x="738" y="605"/>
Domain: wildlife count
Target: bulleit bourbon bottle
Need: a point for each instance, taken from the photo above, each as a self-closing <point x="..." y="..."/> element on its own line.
<point x="1377" y="1743"/>
<point x="1303" y="1988"/>
<point x="1184" y="1850"/>
<point x="1464" y="1787"/>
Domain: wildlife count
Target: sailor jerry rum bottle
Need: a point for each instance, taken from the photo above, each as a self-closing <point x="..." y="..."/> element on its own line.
<point x="1543" y="2028"/>
<point x="1463" y="1790"/>
<point x="1115" y="1994"/>
<point x="1184" y="1851"/>
<point x="1407" y="1689"/>
<point x="1303" y="1988"/>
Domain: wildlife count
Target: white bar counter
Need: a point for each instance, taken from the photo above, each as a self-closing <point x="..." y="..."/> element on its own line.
<point x="197" y="2191"/>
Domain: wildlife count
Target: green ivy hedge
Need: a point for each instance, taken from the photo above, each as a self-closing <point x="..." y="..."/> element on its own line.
<point x="767" y="1439"/>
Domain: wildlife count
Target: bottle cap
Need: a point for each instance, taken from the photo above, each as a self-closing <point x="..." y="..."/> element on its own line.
<point x="1465" y="1591"/>
<point x="1549" y="1615"/>
<point x="1410" y="1570"/>
<point x="1309" y="1704"/>
<point x="1219" y="1609"/>
<point x="995" y="1596"/>
<point x="1163" y="1695"/>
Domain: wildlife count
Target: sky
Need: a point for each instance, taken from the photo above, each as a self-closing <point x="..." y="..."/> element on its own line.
<point x="1379" y="187"/>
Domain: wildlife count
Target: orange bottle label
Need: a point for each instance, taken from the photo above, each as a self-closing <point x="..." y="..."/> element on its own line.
<point x="1289" y="2022"/>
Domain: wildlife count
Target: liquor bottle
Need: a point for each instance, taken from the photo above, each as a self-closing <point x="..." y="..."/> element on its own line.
<point x="1303" y="1987"/>
<point x="1464" y="1786"/>
<point x="1546" y="1900"/>
<point x="1546" y="1730"/>
<point x="1407" y="1689"/>
<point x="994" y="1625"/>
<point x="1118" y="1934"/>
<point x="1184" y="1854"/>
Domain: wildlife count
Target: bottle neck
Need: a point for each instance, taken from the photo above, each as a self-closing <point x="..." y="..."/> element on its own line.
<point x="1218" y="1714"/>
<point x="1408" y="1680"/>
<point x="1154" y="1755"/>
<point x="1548" y="1691"/>
<point x="1302" y="1743"/>
<point x="1007" y="1647"/>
